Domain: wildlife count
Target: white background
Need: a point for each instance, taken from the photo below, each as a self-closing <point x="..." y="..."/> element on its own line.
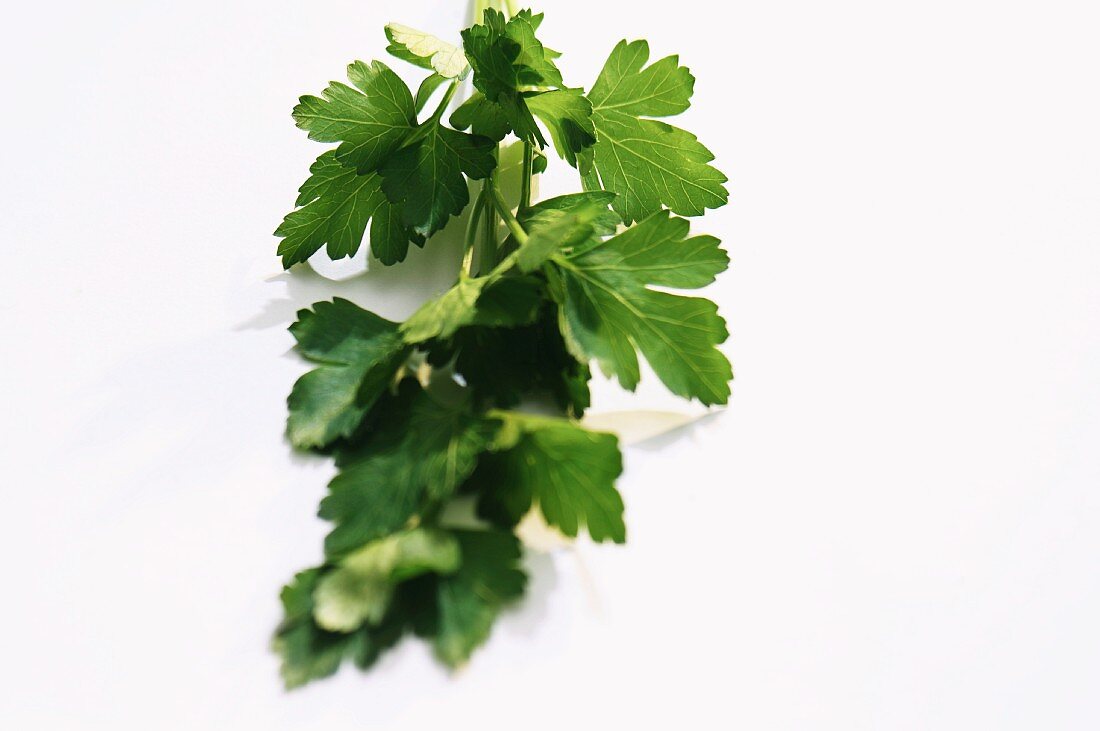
<point x="894" y="525"/>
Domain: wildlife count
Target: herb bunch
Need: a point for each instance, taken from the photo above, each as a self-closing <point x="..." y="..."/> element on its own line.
<point x="423" y="416"/>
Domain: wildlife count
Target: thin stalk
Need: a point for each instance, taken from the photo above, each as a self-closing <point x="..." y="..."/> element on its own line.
<point x="471" y="234"/>
<point x="506" y="213"/>
<point x="445" y="101"/>
<point x="489" y="236"/>
<point x="425" y="128"/>
<point x="525" y="176"/>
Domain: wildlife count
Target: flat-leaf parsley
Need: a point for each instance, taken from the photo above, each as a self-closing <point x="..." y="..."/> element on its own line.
<point x="427" y="412"/>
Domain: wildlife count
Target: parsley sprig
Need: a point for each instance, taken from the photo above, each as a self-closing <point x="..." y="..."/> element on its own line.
<point x="426" y="414"/>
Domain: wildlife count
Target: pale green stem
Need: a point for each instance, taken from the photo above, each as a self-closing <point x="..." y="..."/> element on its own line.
<point x="478" y="8"/>
<point x="471" y="234"/>
<point x="525" y="176"/>
<point x="506" y="213"/>
<point x="478" y="11"/>
<point x="489" y="235"/>
<point x="443" y="104"/>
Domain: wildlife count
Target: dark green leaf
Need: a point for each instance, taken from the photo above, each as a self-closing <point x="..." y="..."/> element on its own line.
<point x="361" y="587"/>
<point x="335" y="205"/>
<point x="568" y="471"/>
<point x="370" y="121"/>
<point x="568" y="116"/>
<point x="417" y="449"/>
<point x="554" y="230"/>
<point x="358" y="354"/>
<point x="482" y="117"/>
<point x="605" y="225"/>
<point x="309" y="652"/>
<point x="508" y="60"/>
<point x="493" y="301"/>
<point x="427" y="88"/>
<point x="426" y="177"/>
<point x="470" y="599"/>
<point x="502" y="366"/>
<point x="534" y="63"/>
<point x="539" y="164"/>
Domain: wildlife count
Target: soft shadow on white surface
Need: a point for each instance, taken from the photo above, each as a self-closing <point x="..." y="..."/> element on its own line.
<point x="649" y="429"/>
<point x="386" y="289"/>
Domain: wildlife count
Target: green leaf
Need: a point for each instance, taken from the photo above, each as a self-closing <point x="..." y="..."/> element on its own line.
<point x="554" y="230"/>
<point x="491" y="300"/>
<point x="657" y="251"/>
<point x="539" y="164"/>
<point x="605" y="225"/>
<point x="470" y="599"/>
<point x="502" y="366"/>
<point x="358" y="354"/>
<point x="389" y="238"/>
<point x="663" y="89"/>
<point x="359" y="590"/>
<point x="422" y="168"/>
<point x="418" y="449"/>
<point x="427" y="87"/>
<point x="492" y="55"/>
<point x="426" y="51"/>
<point x="608" y="312"/>
<point x="568" y="116"/>
<point x="335" y="205"/>
<point x="568" y="471"/>
<point x="509" y="60"/>
<point x="650" y="164"/>
<point x="371" y="641"/>
<point x="426" y="178"/>
<point x="482" y="117"/>
<point x="371" y="121"/>
<point x="309" y="652"/>
<point x="591" y="206"/>
<point x="534" y="62"/>
<point x="297" y="596"/>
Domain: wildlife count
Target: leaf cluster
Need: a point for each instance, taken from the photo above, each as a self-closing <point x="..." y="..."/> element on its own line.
<point x="434" y="412"/>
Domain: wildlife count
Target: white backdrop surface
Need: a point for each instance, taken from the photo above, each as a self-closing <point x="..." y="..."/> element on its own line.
<point x="895" y="524"/>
